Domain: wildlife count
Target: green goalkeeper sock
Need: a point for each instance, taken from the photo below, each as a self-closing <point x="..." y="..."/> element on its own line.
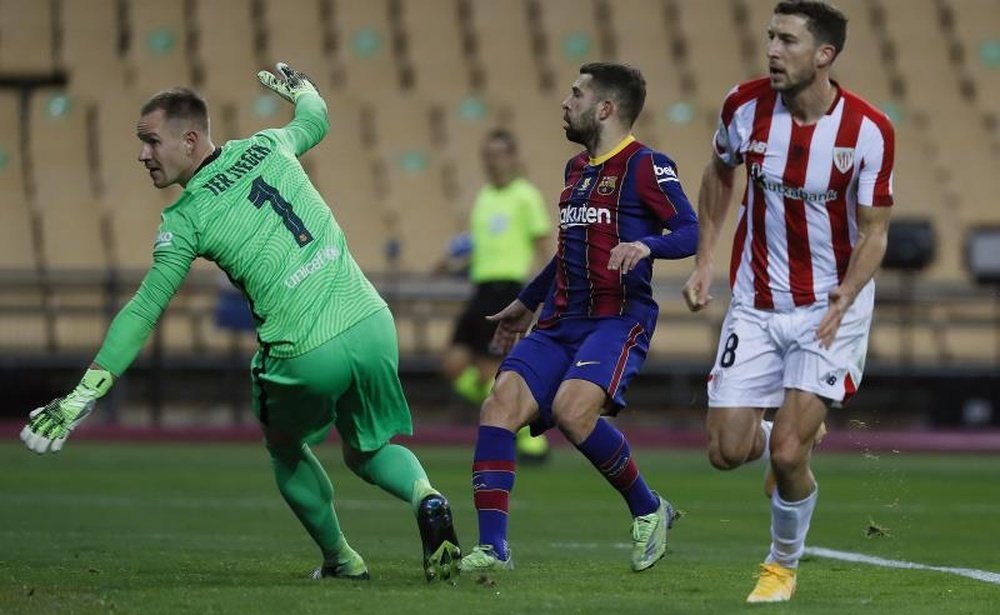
<point x="397" y="470"/>
<point x="306" y="487"/>
<point x="469" y="387"/>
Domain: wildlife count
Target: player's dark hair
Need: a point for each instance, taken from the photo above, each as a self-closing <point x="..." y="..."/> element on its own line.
<point x="502" y="134"/>
<point x="825" y="21"/>
<point x="622" y="83"/>
<point x="180" y="103"/>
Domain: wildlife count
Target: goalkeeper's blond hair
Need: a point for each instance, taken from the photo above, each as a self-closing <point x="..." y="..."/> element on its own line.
<point x="180" y="103"/>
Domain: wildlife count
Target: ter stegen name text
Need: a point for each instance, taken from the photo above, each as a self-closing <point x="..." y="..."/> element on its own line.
<point x="220" y="182"/>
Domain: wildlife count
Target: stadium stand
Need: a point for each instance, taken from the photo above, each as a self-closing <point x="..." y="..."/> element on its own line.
<point x="125" y="192"/>
<point x="420" y="215"/>
<point x="433" y="49"/>
<point x="22" y="299"/>
<point x="855" y="68"/>
<point x="638" y="29"/>
<point x="89" y="43"/>
<point x="502" y="38"/>
<point x="466" y="122"/>
<point x="922" y="51"/>
<point x="226" y="46"/>
<point x="297" y="36"/>
<point x="17" y="251"/>
<point x="157" y="36"/>
<point x="412" y="86"/>
<point x="368" y="49"/>
<point x="976" y="30"/>
<point x="346" y="179"/>
<point x="715" y="57"/>
<point x="566" y="37"/>
<point x="26" y="37"/>
<point x="62" y="187"/>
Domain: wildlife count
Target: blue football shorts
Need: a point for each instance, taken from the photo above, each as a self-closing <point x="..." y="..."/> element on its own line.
<point x="607" y="351"/>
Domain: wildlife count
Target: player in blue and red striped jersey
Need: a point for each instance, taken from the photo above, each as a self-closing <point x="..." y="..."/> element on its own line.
<point x="598" y="316"/>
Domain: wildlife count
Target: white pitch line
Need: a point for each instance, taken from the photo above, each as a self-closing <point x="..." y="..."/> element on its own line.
<point x="847" y="556"/>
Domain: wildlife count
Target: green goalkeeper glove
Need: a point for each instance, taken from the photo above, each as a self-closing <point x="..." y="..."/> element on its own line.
<point x="49" y="426"/>
<point x="290" y="86"/>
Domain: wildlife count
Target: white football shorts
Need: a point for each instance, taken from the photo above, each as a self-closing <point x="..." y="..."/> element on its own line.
<point x="763" y="352"/>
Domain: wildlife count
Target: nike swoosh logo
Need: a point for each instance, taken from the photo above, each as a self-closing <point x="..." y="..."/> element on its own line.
<point x="585" y="363"/>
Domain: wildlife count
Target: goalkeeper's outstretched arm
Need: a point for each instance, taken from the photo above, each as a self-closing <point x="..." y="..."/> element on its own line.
<point x="49" y="426"/>
<point x="311" y="123"/>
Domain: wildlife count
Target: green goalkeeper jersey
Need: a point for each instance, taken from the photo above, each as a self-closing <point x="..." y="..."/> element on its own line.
<point x="251" y="209"/>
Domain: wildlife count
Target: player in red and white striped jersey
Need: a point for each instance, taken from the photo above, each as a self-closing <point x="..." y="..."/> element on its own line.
<point x="811" y="234"/>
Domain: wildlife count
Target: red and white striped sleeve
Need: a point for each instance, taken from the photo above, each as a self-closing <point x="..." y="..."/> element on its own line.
<point x="736" y="121"/>
<point x="877" y="145"/>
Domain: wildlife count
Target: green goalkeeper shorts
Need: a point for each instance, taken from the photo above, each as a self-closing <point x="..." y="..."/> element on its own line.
<point x="351" y="382"/>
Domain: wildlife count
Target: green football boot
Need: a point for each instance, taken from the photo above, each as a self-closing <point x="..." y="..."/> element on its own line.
<point x="484" y="559"/>
<point x="649" y="535"/>
<point x="350" y="566"/>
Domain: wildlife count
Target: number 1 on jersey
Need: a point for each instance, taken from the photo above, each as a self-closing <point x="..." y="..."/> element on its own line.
<point x="261" y="192"/>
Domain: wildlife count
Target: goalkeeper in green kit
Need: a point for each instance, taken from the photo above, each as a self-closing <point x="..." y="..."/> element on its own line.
<point x="328" y="354"/>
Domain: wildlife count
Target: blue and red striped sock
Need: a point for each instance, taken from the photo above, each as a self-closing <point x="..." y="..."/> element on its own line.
<point x="608" y="450"/>
<point x="492" y="480"/>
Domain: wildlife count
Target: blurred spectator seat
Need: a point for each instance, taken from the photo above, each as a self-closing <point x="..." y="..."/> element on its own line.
<point x="26" y="37"/>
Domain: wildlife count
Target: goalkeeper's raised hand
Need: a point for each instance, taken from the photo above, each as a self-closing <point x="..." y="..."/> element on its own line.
<point x="290" y="84"/>
<point x="49" y="426"/>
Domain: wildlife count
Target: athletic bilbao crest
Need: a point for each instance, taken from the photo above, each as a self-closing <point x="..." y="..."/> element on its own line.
<point x="843" y="158"/>
<point x="607" y="185"/>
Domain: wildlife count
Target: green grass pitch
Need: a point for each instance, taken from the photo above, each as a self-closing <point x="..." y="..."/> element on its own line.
<point x="200" y="528"/>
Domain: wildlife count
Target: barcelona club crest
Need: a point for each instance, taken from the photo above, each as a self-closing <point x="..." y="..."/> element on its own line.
<point x="607" y="185"/>
<point x="843" y="158"/>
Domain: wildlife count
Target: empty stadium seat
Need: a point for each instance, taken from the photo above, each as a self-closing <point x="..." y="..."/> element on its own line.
<point x="79" y="319"/>
<point x="922" y="51"/>
<point x="26" y="37"/>
<point x="157" y="56"/>
<point x="641" y="39"/>
<point x="977" y="25"/>
<point x="402" y="123"/>
<point x="501" y="30"/>
<point x="342" y="172"/>
<point x="435" y="49"/>
<point x="420" y="215"/>
<point x="757" y="21"/>
<point x="466" y="125"/>
<point x="860" y="67"/>
<point x="90" y="52"/>
<point x="366" y="47"/>
<point x="570" y="29"/>
<point x="295" y="34"/>
<point x="17" y="250"/>
<point x="255" y="108"/>
<point x="225" y="49"/>
<point x="419" y="212"/>
<point x="63" y="185"/>
<point x="712" y="43"/>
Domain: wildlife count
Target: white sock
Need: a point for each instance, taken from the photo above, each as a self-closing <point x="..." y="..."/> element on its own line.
<point x="766" y="426"/>
<point x="789" y="526"/>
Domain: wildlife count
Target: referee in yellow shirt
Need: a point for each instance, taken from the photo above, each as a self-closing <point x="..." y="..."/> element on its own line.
<point x="508" y="227"/>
